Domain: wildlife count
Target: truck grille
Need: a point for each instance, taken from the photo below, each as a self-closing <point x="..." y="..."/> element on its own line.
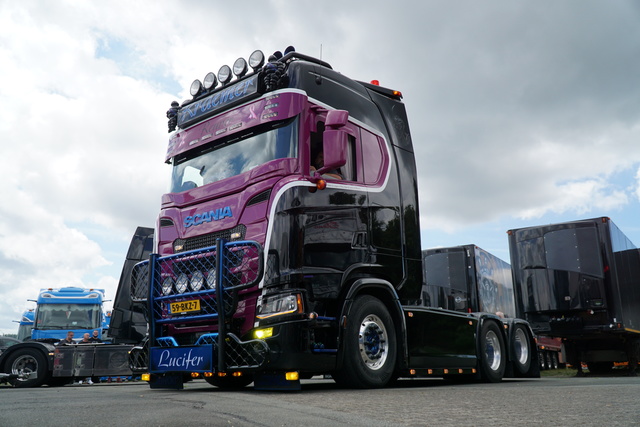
<point x="207" y="240"/>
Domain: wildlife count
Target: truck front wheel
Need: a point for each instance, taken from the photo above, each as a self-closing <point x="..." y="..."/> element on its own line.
<point x="369" y="346"/>
<point x="492" y="354"/>
<point x="27" y="362"/>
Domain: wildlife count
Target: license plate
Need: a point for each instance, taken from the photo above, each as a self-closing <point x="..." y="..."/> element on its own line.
<point x="184" y="306"/>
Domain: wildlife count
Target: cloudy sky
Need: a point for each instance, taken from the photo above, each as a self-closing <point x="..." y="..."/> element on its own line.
<point x="522" y="113"/>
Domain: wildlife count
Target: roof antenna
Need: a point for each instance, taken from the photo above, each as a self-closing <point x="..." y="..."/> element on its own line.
<point x="320" y="50"/>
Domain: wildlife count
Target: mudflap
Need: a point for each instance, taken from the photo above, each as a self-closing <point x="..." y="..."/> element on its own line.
<point x="173" y="382"/>
<point x="274" y="382"/>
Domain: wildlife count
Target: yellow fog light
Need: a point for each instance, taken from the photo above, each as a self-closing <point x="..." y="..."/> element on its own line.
<point x="291" y="376"/>
<point x="263" y="333"/>
<point x="146" y="377"/>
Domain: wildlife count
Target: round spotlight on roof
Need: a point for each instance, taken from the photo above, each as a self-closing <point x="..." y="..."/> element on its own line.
<point x="196" y="87"/>
<point x="256" y="60"/>
<point x="240" y="67"/>
<point x="210" y="81"/>
<point x="224" y="74"/>
<point x="289" y="49"/>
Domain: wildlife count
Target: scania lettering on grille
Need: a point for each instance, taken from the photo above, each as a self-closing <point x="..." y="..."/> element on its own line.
<point x="215" y="215"/>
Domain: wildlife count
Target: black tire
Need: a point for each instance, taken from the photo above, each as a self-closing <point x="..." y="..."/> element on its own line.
<point x="27" y="361"/>
<point x="521" y="350"/>
<point x="369" y="348"/>
<point x="230" y="382"/>
<point x="492" y="353"/>
<point x="541" y="360"/>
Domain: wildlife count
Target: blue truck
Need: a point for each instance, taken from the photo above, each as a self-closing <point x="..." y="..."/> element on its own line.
<point x="26" y="324"/>
<point x="60" y="310"/>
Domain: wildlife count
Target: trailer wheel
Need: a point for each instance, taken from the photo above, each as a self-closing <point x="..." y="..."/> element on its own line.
<point x="27" y="361"/>
<point x="492" y="352"/>
<point x="521" y="347"/>
<point x="369" y="346"/>
<point x="230" y="383"/>
<point x="554" y="361"/>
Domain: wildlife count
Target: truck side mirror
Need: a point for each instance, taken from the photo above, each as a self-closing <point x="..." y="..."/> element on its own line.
<point x="335" y="140"/>
<point x="334" y="149"/>
<point x="336" y="119"/>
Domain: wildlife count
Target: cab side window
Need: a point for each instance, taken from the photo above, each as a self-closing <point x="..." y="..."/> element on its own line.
<point x="372" y="158"/>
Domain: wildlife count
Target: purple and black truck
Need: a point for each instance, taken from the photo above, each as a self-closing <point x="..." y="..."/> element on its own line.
<point x="289" y="243"/>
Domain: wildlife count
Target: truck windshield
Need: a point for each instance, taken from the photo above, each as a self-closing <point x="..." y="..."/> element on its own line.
<point x="68" y="316"/>
<point x="235" y="155"/>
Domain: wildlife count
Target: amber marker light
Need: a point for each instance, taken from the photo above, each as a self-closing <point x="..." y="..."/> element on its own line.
<point x="291" y="376"/>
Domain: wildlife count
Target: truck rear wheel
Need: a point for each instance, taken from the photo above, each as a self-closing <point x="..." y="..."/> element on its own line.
<point x="27" y="361"/>
<point x="369" y="348"/>
<point x="521" y="347"/>
<point x="492" y="353"/>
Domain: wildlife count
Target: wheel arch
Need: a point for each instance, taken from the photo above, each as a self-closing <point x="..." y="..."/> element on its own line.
<point x="386" y="293"/>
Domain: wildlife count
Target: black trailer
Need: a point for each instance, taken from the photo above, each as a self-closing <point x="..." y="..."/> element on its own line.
<point x="469" y="279"/>
<point x="580" y="281"/>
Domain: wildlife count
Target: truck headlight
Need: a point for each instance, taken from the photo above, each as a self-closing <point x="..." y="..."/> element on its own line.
<point x="277" y="305"/>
